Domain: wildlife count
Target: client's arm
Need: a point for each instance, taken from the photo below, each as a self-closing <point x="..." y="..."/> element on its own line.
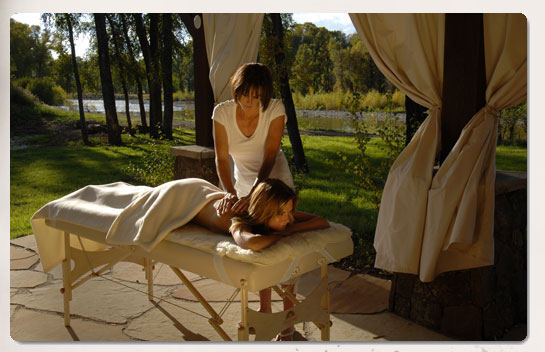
<point x="305" y="222"/>
<point x="248" y="240"/>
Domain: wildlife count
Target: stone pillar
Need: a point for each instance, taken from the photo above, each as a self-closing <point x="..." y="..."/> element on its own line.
<point x="195" y="161"/>
<point x="480" y="303"/>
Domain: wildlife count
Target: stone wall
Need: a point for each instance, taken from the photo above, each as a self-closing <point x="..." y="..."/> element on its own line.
<point x="481" y="303"/>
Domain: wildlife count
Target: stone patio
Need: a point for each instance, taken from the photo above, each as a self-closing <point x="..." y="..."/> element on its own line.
<point x="115" y="307"/>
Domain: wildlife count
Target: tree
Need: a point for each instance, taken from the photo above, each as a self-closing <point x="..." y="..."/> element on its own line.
<point x="285" y="91"/>
<point x="29" y="51"/>
<point x="204" y="96"/>
<point x="121" y="64"/>
<point x="65" y="23"/>
<point x="166" y="70"/>
<point x="135" y="69"/>
<point x="112" y="125"/>
<point x="150" y="51"/>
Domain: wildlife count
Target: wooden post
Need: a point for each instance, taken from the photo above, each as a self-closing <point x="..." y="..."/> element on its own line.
<point x="464" y="76"/>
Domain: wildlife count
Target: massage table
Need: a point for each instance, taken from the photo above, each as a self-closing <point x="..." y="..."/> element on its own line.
<point x="86" y="232"/>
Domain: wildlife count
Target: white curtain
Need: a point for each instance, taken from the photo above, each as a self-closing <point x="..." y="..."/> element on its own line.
<point x="408" y="49"/>
<point x="427" y="226"/>
<point x="460" y="216"/>
<point x="232" y="39"/>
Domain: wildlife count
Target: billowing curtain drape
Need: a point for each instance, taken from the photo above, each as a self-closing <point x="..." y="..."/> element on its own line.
<point x="460" y="216"/>
<point x="232" y="39"/>
<point x="427" y="225"/>
<point x="408" y="49"/>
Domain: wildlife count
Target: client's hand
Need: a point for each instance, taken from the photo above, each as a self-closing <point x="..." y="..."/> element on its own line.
<point x="241" y="205"/>
<point x="226" y="203"/>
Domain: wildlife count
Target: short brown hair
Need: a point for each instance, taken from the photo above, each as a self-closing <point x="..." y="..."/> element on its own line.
<point x="252" y="75"/>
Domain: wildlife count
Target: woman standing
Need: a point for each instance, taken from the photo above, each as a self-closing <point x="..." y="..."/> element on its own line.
<point x="249" y="128"/>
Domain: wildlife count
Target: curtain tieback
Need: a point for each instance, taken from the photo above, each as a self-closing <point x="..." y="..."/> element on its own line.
<point x="434" y="109"/>
<point x="490" y="110"/>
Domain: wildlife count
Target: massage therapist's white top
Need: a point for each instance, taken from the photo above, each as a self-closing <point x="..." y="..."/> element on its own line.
<point x="247" y="152"/>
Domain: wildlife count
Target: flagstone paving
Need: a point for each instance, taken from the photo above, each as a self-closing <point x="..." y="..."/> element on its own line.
<point x="115" y="306"/>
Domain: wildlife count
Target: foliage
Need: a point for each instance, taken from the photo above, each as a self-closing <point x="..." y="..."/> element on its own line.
<point x="370" y="173"/>
<point x="184" y="95"/>
<point x="513" y="125"/>
<point x="336" y="100"/>
<point x="398" y="98"/>
<point x="155" y="165"/>
<point x="373" y="100"/>
<point x="339" y="100"/>
<point x="44" y="89"/>
<point x="29" y="51"/>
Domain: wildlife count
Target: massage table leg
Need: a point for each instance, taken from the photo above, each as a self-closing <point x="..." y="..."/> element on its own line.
<point x="325" y="330"/>
<point x="67" y="284"/>
<point x="148" y="269"/>
<point x="215" y="320"/>
<point x="243" y="331"/>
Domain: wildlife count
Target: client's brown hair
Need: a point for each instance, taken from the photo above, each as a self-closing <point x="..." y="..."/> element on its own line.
<point x="266" y="201"/>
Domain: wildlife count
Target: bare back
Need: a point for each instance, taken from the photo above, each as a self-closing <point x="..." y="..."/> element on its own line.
<point x="209" y="218"/>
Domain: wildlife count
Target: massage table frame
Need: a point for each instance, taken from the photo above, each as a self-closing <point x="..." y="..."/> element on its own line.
<point x="265" y="325"/>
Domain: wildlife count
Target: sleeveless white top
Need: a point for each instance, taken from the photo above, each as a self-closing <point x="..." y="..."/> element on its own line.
<point x="248" y="152"/>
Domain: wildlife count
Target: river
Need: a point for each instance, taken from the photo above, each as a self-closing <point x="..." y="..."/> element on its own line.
<point x="97" y="106"/>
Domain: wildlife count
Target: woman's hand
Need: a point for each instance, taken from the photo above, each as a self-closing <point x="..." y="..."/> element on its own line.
<point x="225" y="205"/>
<point x="241" y="205"/>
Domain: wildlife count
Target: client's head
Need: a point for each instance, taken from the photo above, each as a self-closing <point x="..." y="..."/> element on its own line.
<point x="271" y="206"/>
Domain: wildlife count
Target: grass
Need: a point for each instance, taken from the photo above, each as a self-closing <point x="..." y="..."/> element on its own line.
<point x="511" y="158"/>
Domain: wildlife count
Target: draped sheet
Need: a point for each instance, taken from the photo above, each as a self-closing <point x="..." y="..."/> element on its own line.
<point x="127" y="215"/>
<point x="427" y="225"/>
<point x="231" y="40"/>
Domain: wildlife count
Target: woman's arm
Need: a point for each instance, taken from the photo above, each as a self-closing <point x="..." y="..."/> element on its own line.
<point x="248" y="240"/>
<point x="221" y="147"/>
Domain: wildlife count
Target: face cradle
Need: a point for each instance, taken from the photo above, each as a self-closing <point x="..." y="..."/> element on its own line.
<point x="282" y="219"/>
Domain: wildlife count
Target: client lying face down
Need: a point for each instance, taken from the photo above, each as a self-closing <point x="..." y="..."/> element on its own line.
<point x="271" y="215"/>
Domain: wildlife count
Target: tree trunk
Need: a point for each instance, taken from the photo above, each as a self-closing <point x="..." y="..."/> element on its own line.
<point x="149" y="51"/>
<point x="121" y="65"/>
<point x="136" y="73"/>
<point x="204" y="96"/>
<point x="83" y="124"/>
<point x="166" y="70"/>
<point x="292" y="126"/>
<point x="114" y="132"/>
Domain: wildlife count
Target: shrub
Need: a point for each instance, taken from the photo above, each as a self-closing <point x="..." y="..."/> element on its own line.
<point x="46" y="90"/>
<point x="374" y="100"/>
<point x="369" y="173"/>
<point x="398" y="99"/>
<point x="19" y="95"/>
<point x="183" y="96"/>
